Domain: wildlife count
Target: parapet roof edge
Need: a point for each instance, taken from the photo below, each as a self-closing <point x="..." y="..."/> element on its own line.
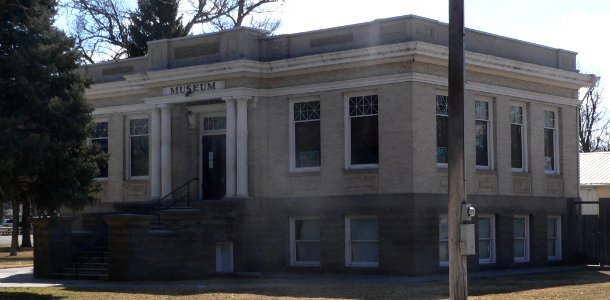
<point x="196" y="36"/>
<point x="380" y="20"/>
<point x="412" y="16"/>
<point x="108" y="62"/>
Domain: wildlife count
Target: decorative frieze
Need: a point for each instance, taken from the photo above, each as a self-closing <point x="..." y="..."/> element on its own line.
<point x="488" y="184"/>
<point x="391" y="33"/>
<point x="196" y="50"/>
<point x="304" y="185"/>
<point x="522" y="185"/>
<point x="331" y="40"/>
<point x="361" y="182"/>
<point x="118" y="70"/>
<point x="554" y="187"/>
<point x="443" y="182"/>
<point x="135" y="190"/>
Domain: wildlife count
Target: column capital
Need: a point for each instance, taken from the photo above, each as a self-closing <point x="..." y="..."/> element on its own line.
<point x="165" y="107"/>
<point x="242" y="99"/>
<point x="228" y="100"/>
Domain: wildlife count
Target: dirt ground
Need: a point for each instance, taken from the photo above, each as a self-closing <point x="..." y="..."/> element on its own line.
<point x="24" y="258"/>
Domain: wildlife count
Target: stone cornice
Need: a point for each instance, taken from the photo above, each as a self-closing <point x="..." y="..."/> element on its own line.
<point x="335" y="85"/>
<point x="415" y="51"/>
<point x="114" y="89"/>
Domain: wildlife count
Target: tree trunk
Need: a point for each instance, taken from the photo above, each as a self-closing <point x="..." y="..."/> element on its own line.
<point x="15" y="234"/>
<point x="25" y="235"/>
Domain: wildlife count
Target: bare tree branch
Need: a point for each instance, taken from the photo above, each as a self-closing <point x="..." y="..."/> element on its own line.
<point x="101" y="27"/>
<point x="256" y="10"/>
<point x="593" y="121"/>
<point x="204" y="11"/>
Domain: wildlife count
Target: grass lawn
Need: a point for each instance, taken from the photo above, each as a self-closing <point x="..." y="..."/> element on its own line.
<point x="585" y="284"/>
<point x="24" y="258"/>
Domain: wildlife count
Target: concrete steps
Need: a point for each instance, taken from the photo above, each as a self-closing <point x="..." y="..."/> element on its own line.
<point x="89" y="270"/>
<point x="92" y="263"/>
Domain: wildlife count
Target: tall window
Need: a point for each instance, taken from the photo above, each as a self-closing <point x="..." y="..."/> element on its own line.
<point x="517" y="138"/>
<point x="305" y="242"/>
<point x="99" y="138"/>
<point x="362" y="241"/>
<point x="482" y="134"/>
<point x="363" y="131"/>
<point x="138" y="147"/>
<point x="442" y="130"/>
<point x="521" y="241"/>
<point x="550" y="142"/>
<point x="443" y="241"/>
<point x="553" y="233"/>
<point x="487" y="239"/>
<point x="305" y="140"/>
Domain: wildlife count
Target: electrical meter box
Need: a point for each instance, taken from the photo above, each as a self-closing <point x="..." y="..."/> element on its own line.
<point x="467" y="239"/>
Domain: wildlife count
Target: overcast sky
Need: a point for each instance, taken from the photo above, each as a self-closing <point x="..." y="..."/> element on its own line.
<point x="582" y="26"/>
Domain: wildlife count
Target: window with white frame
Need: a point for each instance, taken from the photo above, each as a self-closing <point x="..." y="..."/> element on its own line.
<point x="99" y="138"/>
<point x="487" y="239"/>
<point x="305" y="149"/>
<point x="550" y="142"/>
<point x="443" y="241"/>
<point x="305" y="241"/>
<point x="362" y="241"/>
<point x="362" y="132"/>
<point x="482" y="134"/>
<point x="553" y="233"/>
<point x="138" y="148"/>
<point x="442" y="130"/>
<point x="521" y="241"/>
<point x="518" y="147"/>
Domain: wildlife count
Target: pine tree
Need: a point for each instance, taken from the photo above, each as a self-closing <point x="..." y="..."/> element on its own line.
<point x="153" y="20"/>
<point x="43" y="114"/>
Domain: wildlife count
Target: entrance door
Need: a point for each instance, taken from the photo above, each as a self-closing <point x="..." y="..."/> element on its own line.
<point x="213" y="166"/>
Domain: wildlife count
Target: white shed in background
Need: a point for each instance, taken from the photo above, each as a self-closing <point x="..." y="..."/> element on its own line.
<point x="594" y="180"/>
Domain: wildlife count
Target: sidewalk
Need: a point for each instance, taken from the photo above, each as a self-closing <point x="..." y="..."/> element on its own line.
<point x="24" y="277"/>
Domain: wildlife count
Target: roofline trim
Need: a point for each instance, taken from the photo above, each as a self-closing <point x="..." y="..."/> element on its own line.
<point x="150" y="102"/>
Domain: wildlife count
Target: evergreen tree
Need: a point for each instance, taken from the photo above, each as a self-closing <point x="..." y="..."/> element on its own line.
<point x="43" y="114"/>
<point x="153" y="20"/>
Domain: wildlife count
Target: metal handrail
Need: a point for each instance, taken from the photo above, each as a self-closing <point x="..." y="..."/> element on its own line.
<point x="158" y="205"/>
<point x="170" y="196"/>
<point x="84" y="250"/>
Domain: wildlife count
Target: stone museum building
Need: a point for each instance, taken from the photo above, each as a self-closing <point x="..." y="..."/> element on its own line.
<point x="326" y="151"/>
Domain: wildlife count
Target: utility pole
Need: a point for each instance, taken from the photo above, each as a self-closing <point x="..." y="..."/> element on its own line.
<point x="458" y="274"/>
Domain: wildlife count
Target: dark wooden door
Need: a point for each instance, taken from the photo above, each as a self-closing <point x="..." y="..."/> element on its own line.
<point x="213" y="163"/>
